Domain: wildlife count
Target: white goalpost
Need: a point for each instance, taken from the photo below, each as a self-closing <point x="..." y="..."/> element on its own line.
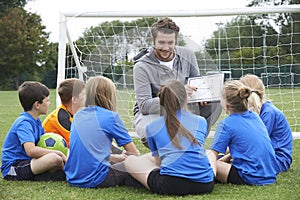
<point x="260" y="40"/>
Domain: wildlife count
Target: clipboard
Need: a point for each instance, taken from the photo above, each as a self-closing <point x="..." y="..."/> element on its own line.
<point x="209" y="88"/>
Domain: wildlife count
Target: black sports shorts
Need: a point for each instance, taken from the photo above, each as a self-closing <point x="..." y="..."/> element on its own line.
<point x="21" y="170"/>
<point x="171" y="185"/>
<point x="234" y="177"/>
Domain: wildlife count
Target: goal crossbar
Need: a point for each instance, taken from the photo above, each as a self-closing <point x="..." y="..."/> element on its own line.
<point x="190" y="13"/>
<point x="64" y="35"/>
<point x="225" y="50"/>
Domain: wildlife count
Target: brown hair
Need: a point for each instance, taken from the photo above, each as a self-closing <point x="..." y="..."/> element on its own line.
<point x="165" y="25"/>
<point x="257" y="97"/>
<point x="70" y="88"/>
<point x="100" y="91"/>
<point x="235" y="94"/>
<point x="173" y="97"/>
<point x="30" y="92"/>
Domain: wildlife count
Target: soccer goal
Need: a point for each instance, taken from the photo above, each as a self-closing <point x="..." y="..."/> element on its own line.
<point x="260" y="40"/>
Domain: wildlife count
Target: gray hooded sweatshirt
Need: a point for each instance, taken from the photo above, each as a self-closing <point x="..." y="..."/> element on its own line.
<point x="149" y="75"/>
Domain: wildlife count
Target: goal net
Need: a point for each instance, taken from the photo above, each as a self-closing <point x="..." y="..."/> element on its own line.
<point x="259" y="40"/>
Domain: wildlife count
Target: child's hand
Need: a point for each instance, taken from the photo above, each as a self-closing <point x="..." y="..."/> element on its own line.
<point x="62" y="155"/>
<point x="125" y="153"/>
<point x="116" y="158"/>
<point x="226" y="158"/>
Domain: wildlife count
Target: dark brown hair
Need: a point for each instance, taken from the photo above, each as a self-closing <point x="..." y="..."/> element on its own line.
<point x="165" y="25"/>
<point x="30" y="92"/>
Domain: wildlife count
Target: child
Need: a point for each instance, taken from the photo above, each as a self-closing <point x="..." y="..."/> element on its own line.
<point x="180" y="165"/>
<point x="21" y="158"/>
<point x="253" y="157"/>
<point x="92" y="131"/>
<point x="72" y="96"/>
<point x="277" y="125"/>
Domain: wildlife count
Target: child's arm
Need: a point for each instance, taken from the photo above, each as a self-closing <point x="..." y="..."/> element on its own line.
<point x="157" y="161"/>
<point x="131" y="149"/>
<point x="212" y="156"/>
<point x="37" y="152"/>
<point x="115" y="158"/>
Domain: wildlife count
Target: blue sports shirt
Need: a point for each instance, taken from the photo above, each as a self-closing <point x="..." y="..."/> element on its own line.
<point x="280" y="133"/>
<point x="250" y="147"/>
<point x="92" y="131"/>
<point x="24" y="129"/>
<point x="191" y="161"/>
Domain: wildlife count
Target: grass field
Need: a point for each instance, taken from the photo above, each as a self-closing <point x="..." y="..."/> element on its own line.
<point x="287" y="100"/>
<point x="287" y="185"/>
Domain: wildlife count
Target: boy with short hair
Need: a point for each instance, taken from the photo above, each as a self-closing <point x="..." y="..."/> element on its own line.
<point x="21" y="158"/>
<point x="72" y="96"/>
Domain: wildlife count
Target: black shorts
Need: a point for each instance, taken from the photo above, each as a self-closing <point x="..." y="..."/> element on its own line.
<point x="234" y="177"/>
<point x="171" y="185"/>
<point x="117" y="178"/>
<point x="21" y="170"/>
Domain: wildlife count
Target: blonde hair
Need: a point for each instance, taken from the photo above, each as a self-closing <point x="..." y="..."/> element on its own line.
<point x="101" y="91"/>
<point x="236" y="94"/>
<point x="257" y="97"/>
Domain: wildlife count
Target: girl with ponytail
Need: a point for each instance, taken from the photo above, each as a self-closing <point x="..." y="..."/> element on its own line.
<point x="277" y="125"/>
<point x="179" y="164"/>
<point x="243" y="132"/>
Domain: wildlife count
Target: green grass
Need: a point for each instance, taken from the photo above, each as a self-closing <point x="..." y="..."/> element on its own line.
<point x="287" y="185"/>
<point x="287" y="100"/>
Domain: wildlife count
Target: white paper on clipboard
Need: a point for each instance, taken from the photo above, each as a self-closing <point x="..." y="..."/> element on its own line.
<point x="209" y="88"/>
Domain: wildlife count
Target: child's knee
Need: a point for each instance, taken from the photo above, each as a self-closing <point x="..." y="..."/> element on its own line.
<point x="130" y="159"/>
<point x="55" y="160"/>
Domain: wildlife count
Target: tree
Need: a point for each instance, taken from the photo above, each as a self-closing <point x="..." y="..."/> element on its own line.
<point x="23" y="46"/>
<point x="104" y="48"/>
<point x="48" y="73"/>
<point x="289" y="23"/>
<point x="112" y="33"/>
<point x="235" y="39"/>
<point x="250" y="43"/>
<point x="7" y="4"/>
<point x="296" y="39"/>
<point x="284" y="21"/>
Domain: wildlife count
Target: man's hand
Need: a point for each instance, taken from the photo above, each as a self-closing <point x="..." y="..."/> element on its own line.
<point x="204" y="103"/>
<point x="190" y="89"/>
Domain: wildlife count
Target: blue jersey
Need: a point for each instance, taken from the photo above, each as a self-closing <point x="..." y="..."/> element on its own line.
<point x="250" y="147"/>
<point x="24" y="129"/>
<point x="191" y="161"/>
<point x="280" y="134"/>
<point x="92" y="131"/>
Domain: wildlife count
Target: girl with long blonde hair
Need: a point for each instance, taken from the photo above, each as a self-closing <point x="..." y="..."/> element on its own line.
<point x="277" y="125"/>
<point x="92" y="131"/>
<point x="243" y="132"/>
